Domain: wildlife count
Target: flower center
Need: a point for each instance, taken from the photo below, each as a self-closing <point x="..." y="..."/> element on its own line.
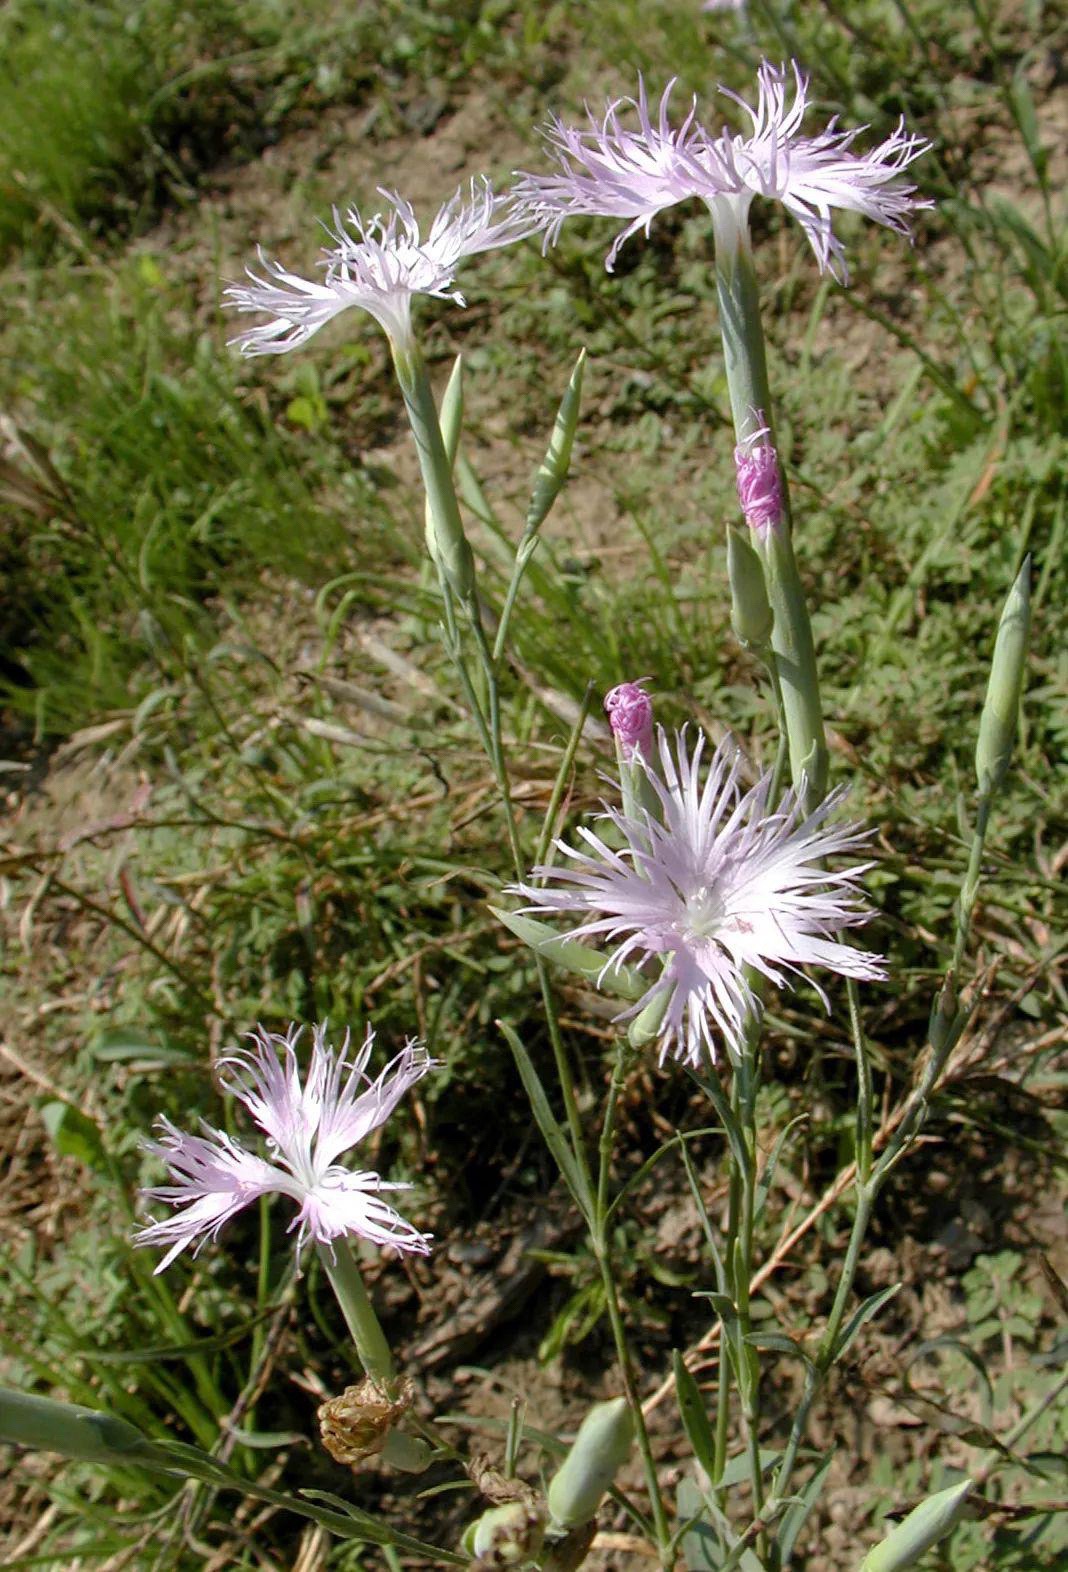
<point x="704" y="912"/>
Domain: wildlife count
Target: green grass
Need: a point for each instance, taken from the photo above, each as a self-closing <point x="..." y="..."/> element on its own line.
<point x="221" y="566"/>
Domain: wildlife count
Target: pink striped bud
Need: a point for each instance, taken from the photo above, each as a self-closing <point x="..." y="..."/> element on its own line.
<point x="630" y="715"/>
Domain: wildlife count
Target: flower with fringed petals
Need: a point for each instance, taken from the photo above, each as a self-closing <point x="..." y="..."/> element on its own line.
<point x="379" y="264"/>
<point x="714" y="886"/>
<point x="611" y="170"/>
<point x="308" y="1123"/>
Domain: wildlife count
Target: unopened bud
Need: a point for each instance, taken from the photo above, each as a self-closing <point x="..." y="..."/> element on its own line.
<point x="506" y="1536"/>
<point x="597" y="1454"/>
<point x="1001" y="711"/>
<point x="750" y="612"/>
<point x="630" y="715"/>
<point x="943" y="1014"/>
<point x="915" y="1534"/>
<point x="759" y="478"/>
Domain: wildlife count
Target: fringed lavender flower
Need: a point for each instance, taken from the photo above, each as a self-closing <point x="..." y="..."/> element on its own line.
<point x="379" y="264"/>
<point x="308" y="1124"/>
<point x="715" y="884"/>
<point x="610" y="170"/>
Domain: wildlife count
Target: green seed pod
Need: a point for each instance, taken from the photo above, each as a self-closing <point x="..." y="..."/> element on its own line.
<point x="1001" y="711"/>
<point x="552" y="471"/>
<point x="915" y="1534"/>
<point x="510" y="1534"/>
<point x="67" y="1428"/>
<point x="597" y="1454"/>
<point x="942" y="1027"/>
<point x="750" y="612"/>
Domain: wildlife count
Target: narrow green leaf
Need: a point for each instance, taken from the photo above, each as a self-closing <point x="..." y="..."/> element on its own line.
<point x="778" y="1343"/>
<point x="767" y="1178"/>
<point x="694" y="1417"/>
<point x="552" y="472"/>
<point x="860" y="1317"/>
<point x="702" y="1212"/>
<point x="793" y="1519"/>
<point x="553" y="1132"/>
<point x="572" y="956"/>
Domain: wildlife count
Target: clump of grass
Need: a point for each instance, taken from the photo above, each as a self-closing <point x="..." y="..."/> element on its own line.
<point x="167" y="489"/>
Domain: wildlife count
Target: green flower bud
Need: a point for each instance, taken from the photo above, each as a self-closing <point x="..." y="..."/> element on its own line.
<point x="750" y="612"/>
<point x="597" y="1454"/>
<point x="552" y="472"/>
<point x="508" y="1535"/>
<point x="915" y="1534"/>
<point x="648" y="1024"/>
<point x="1001" y="711"/>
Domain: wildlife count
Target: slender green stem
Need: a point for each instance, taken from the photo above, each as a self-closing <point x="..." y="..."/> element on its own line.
<point x="446" y="540"/>
<point x="970" y="887"/>
<point x="745" y="362"/>
<point x="497" y="759"/>
<point x="865" y="1193"/>
<point x="607" y="1133"/>
<point x="661" y="1525"/>
<point x="351" y="1293"/>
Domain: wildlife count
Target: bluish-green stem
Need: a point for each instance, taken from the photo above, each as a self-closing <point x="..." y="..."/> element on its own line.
<point x="603" y="1251"/>
<point x="738" y="1117"/>
<point x="446" y="540"/>
<point x="745" y="362"/>
<point x="403" y="1451"/>
<point x="350" y="1291"/>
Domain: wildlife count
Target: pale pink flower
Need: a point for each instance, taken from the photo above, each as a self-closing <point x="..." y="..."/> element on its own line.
<point x="610" y="170"/>
<point x="759" y="478"/>
<point x="812" y="175"/>
<point x="379" y="264"/>
<point x="630" y="715"/>
<point x="715" y="884"/>
<point x="308" y="1123"/>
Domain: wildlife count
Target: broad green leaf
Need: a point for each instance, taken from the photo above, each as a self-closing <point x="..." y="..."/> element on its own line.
<point x="73" y="1134"/>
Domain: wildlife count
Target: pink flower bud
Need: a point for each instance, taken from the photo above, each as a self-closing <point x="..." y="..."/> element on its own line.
<point x="759" y="481"/>
<point x="630" y="715"/>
